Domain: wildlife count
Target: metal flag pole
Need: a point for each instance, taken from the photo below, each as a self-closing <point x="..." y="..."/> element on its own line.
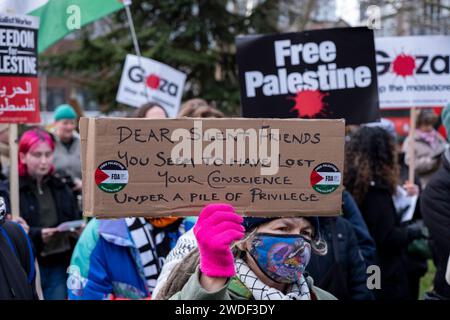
<point x="127" y="4"/>
<point x="132" y="30"/>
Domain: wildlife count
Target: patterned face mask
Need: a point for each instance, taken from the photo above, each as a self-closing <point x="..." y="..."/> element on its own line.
<point x="283" y="258"/>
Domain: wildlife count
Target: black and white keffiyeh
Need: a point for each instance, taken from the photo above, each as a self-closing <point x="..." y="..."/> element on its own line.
<point x="185" y="244"/>
<point x="261" y="291"/>
<point x="153" y="246"/>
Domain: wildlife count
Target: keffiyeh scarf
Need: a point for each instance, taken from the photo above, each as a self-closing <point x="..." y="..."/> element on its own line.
<point x="261" y="291"/>
<point x="153" y="245"/>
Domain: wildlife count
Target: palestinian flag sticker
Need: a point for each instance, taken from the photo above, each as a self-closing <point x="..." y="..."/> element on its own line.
<point x="111" y="176"/>
<point x="325" y="178"/>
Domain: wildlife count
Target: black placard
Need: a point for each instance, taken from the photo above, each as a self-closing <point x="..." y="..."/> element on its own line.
<point x="328" y="73"/>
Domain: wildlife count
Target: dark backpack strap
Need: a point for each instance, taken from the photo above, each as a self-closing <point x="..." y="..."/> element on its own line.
<point x="21" y="246"/>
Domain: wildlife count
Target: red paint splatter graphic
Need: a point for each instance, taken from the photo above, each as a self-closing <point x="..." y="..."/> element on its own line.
<point x="404" y="65"/>
<point x="153" y="81"/>
<point x="309" y="103"/>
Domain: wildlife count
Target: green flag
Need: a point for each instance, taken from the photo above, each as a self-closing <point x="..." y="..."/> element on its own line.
<point x="61" y="17"/>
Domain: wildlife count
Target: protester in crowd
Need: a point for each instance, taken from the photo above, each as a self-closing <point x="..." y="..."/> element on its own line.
<point x="342" y="271"/>
<point x="150" y="110"/>
<point x="436" y="214"/>
<point x="17" y="268"/>
<point x="352" y="214"/>
<point x="4" y="149"/>
<point x="46" y="202"/>
<point x="67" y="157"/>
<point x="217" y="270"/>
<point x="406" y="201"/>
<point x="429" y="146"/>
<point x="102" y="267"/>
<point x="410" y="188"/>
<point x="4" y="194"/>
<point x="199" y="108"/>
<point x="121" y="258"/>
<point x="25" y="227"/>
<point x="371" y="176"/>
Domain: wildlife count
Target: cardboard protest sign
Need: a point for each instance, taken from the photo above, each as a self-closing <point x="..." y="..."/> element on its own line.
<point x="269" y="167"/>
<point x="315" y="74"/>
<point x="149" y="80"/>
<point x="413" y="71"/>
<point x="19" y="84"/>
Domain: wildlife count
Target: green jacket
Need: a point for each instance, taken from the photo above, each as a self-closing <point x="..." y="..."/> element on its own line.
<point x="233" y="290"/>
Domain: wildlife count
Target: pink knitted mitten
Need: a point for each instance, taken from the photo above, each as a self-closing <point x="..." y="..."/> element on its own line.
<point x="216" y="228"/>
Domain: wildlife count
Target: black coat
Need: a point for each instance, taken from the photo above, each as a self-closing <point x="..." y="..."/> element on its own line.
<point x="435" y="204"/>
<point x="66" y="207"/>
<point x="391" y="240"/>
<point x="17" y="274"/>
<point x="342" y="271"/>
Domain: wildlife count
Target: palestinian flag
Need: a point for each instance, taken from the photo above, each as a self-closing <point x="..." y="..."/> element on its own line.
<point x="111" y="176"/>
<point x="325" y="178"/>
<point x="57" y="16"/>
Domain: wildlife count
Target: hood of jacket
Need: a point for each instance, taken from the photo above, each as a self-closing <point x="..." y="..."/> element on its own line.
<point x="116" y="232"/>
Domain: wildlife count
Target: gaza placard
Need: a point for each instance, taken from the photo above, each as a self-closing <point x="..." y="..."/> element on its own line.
<point x="413" y="71"/>
<point x="146" y="80"/>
